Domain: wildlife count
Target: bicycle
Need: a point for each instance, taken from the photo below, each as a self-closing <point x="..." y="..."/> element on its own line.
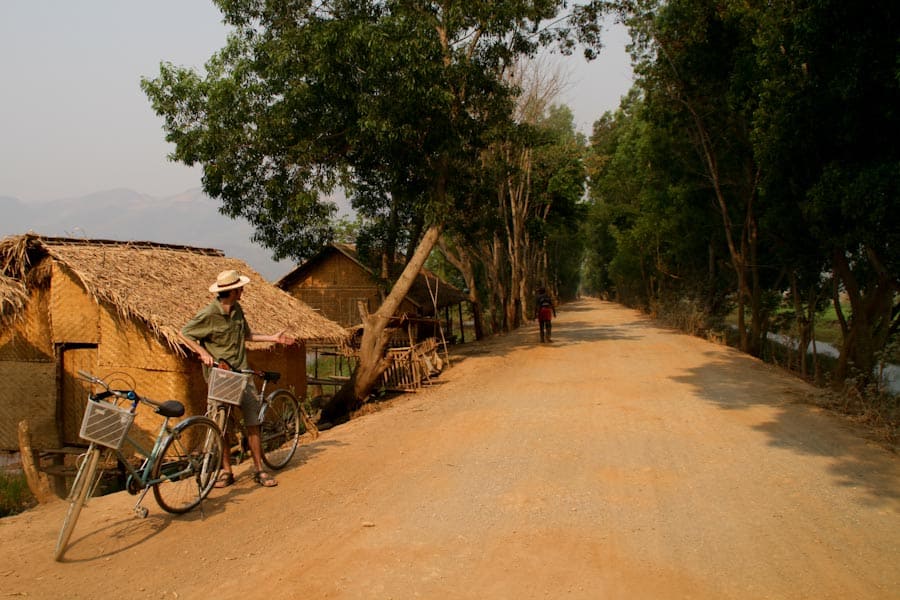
<point x="181" y="467"/>
<point x="280" y="414"/>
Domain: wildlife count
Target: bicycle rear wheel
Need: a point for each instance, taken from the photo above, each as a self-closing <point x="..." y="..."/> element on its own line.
<point x="188" y="464"/>
<point x="280" y="429"/>
<point x="81" y="488"/>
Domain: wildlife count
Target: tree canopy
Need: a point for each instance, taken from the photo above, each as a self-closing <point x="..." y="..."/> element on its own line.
<point x="390" y="99"/>
<point x="394" y="100"/>
<point x="771" y="128"/>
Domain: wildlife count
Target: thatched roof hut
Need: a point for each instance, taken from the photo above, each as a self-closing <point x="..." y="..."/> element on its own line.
<point x="336" y="281"/>
<point x="98" y="305"/>
<point x="162" y="285"/>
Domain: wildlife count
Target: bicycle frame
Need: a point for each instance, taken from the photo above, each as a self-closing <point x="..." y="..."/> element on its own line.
<point x="180" y="467"/>
<point x="227" y="408"/>
<point x="142" y="475"/>
<point x="286" y="437"/>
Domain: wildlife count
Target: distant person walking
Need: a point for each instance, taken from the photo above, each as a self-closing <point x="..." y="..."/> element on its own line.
<point x="544" y="311"/>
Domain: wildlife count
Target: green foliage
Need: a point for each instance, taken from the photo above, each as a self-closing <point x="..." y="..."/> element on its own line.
<point x="394" y="101"/>
<point x="777" y="121"/>
<point x="651" y="234"/>
<point x="15" y="496"/>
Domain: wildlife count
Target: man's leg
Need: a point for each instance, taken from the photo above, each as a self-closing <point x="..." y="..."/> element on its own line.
<point x="226" y="477"/>
<point x="250" y="406"/>
<point x="256" y="449"/>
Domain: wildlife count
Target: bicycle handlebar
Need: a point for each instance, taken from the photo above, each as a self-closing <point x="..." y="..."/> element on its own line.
<point x="129" y="395"/>
<point x="225" y="365"/>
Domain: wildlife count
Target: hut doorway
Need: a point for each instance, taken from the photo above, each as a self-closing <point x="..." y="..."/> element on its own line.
<point x="72" y="393"/>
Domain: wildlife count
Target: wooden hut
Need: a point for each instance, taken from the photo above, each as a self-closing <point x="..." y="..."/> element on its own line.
<point x="336" y="282"/>
<point x="115" y="309"/>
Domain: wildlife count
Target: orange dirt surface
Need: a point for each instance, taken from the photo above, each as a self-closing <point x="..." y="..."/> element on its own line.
<point x="622" y="460"/>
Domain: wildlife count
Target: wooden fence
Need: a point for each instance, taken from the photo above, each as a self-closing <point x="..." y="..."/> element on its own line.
<point x="412" y="366"/>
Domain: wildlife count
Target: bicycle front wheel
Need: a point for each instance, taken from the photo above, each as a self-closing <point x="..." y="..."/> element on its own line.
<point x="81" y="489"/>
<point x="186" y="469"/>
<point x="280" y="429"/>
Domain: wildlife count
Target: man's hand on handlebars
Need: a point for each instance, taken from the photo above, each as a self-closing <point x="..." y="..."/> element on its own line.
<point x="207" y="359"/>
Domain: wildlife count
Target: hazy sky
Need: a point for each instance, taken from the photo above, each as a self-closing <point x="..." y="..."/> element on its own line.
<point x="74" y="121"/>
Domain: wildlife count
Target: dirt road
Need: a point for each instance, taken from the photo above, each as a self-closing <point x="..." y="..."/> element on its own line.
<point x="621" y="461"/>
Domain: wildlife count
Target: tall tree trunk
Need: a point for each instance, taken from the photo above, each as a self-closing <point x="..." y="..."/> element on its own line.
<point x="461" y="258"/>
<point x="517" y="196"/>
<point x="873" y="315"/>
<point x="372" y="362"/>
<point x="497" y="264"/>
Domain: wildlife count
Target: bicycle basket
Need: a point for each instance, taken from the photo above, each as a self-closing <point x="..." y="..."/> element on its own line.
<point x="227" y="386"/>
<point x="106" y="424"/>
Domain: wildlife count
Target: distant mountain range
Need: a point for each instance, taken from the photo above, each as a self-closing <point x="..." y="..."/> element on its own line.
<point x="190" y="219"/>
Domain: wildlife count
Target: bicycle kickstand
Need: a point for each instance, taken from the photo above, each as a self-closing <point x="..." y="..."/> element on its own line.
<point x="139" y="510"/>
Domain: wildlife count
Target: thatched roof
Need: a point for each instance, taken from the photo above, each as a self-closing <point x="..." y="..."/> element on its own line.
<point x="425" y="285"/>
<point x="162" y="285"/>
<point x="13" y="297"/>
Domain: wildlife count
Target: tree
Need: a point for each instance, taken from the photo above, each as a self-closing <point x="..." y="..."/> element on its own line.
<point x="790" y="108"/>
<point x="389" y="98"/>
<point x="696" y="64"/>
<point x="534" y="176"/>
<point x="826" y="136"/>
<point x="654" y="240"/>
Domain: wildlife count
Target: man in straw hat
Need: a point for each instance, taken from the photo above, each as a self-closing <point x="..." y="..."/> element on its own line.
<point x="219" y="333"/>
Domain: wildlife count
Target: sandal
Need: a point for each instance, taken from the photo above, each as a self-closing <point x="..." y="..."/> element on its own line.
<point x="264" y="479"/>
<point x="224" y="479"/>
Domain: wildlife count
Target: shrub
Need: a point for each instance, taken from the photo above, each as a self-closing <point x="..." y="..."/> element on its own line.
<point x="15" y="496"/>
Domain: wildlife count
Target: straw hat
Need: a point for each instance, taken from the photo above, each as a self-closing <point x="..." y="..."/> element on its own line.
<point x="229" y="280"/>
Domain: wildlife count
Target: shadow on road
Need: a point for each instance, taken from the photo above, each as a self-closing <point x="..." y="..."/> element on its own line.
<point x="737" y="384"/>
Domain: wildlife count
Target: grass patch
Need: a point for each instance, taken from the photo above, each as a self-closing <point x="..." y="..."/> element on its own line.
<point x="15" y="495"/>
<point x="828" y="329"/>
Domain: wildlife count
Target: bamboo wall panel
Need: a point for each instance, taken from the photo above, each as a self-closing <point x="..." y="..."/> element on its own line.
<point x="128" y="343"/>
<point x="156" y="385"/>
<point x="27" y="391"/>
<point x="338" y="271"/>
<point x="289" y="361"/>
<point x="74" y="391"/>
<point x="74" y="315"/>
<point x="29" y="339"/>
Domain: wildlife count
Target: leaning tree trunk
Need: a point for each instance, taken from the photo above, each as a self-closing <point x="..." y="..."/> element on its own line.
<point x="372" y="362"/>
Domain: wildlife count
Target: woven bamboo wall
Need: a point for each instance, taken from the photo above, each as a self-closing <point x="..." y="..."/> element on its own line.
<point x="74" y="316"/>
<point x="73" y="391"/>
<point x="128" y="343"/>
<point x="27" y="391"/>
<point x="289" y="361"/>
<point x="339" y="305"/>
<point x="29" y="339"/>
<point x="157" y="385"/>
<point x="338" y="271"/>
<point x="28" y="375"/>
<point x="335" y="286"/>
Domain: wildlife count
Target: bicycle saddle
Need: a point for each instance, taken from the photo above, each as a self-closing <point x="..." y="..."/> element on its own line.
<point x="271" y="376"/>
<point x="171" y="408"/>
